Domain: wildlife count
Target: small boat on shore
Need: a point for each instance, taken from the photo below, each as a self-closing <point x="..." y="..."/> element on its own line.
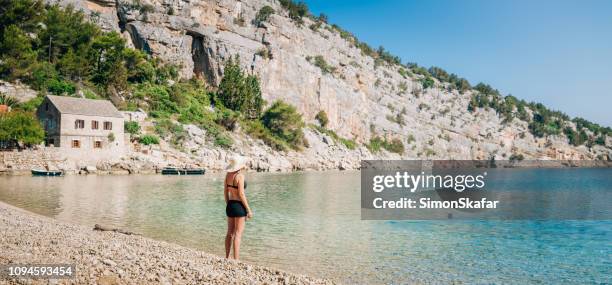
<point x="41" y="172"/>
<point x="182" y="171"/>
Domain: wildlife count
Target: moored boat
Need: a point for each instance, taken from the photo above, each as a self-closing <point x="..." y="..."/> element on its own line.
<point x="42" y="172"/>
<point x="182" y="171"/>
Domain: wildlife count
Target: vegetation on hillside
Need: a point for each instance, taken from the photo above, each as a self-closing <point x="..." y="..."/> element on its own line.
<point x="132" y="128"/>
<point x="320" y="62"/>
<point x="239" y="91"/>
<point x="348" y="143"/>
<point x="8" y="100"/>
<point x="56" y="51"/>
<point x="322" y="118"/>
<point x="19" y="127"/>
<point x="394" y="145"/>
<point x="296" y="10"/>
<point x="263" y="14"/>
<point x="148" y="140"/>
<point x="284" y="122"/>
<point x="542" y="121"/>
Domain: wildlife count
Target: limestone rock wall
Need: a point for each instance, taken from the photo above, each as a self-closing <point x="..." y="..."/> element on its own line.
<point x="361" y="99"/>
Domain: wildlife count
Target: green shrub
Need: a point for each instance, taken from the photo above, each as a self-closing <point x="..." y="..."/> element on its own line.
<point x="315" y="26"/>
<point x="322" y="18"/>
<point x="439" y="74"/>
<point x="148" y="140"/>
<point x="375" y="144"/>
<point x="167" y="129"/>
<point x="394" y="145"/>
<point x="257" y="130"/>
<point x="61" y="87"/>
<point x="30" y="105"/>
<point x="285" y="122"/>
<point x="516" y="157"/>
<point x="593" y="127"/>
<point x="223" y="141"/>
<point x="139" y="69"/>
<point x="158" y="97"/>
<point x="132" y="128"/>
<point x="322" y="118"/>
<point x="349" y="143"/>
<point x="419" y="70"/>
<point x="460" y="84"/>
<point x="227" y="118"/>
<point x="411" y="138"/>
<point x="296" y="10"/>
<point x="8" y="100"/>
<point x="427" y="82"/>
<point x="218" y="135"/>
<point x="263" y="14"/>
<point x="387" y="56"/>
<point x="402" y="88"/>
<point x="240" y="21"/>
<point x="240" y="92"/>
<point x="264" y="52"/>
<point x="21" y="127"/>
<point x="320" y="62"/>
<point x="575" y="138"/>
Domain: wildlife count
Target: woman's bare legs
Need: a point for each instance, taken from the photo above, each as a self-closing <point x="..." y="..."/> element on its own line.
<point x="238" y="229"/>
<point x="229" y="235"/>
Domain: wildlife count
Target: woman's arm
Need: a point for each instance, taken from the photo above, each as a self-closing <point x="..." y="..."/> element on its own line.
<point x="225" y="191"/>
<point x="243" y="197"/>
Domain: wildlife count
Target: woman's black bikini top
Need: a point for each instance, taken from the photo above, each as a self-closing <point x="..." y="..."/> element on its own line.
<point x="236" y="186"/>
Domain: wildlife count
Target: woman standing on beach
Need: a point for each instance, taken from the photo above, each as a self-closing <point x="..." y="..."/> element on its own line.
<point x="237" y="208"/>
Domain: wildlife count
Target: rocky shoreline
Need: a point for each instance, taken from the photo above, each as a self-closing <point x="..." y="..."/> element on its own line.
<point x="107" y="257"/>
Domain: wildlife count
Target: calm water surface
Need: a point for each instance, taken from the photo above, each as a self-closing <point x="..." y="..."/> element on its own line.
<point x="310" y="223"/>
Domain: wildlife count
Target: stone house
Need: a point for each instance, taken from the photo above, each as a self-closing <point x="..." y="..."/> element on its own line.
<point x="83" y="129"/>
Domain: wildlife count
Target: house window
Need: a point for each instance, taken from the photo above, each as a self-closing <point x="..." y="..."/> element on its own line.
<point x="94" y="125"/>
<point x="79" y="124"/>
<point x="76" y="143"/>
<point x="97" y="144"/>
<point x="47" y="107"/>
<point x="108" y="126"/>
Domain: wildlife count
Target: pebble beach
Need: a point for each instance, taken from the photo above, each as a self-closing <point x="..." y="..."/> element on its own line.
<point x="107" y="257"/>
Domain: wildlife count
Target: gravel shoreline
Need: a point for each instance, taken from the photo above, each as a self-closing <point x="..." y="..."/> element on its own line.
<point x="104" y="257"/>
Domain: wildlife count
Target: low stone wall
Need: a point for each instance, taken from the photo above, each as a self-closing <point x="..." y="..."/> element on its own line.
<point x="21" y="162"/>
<point x="71" y="162"/>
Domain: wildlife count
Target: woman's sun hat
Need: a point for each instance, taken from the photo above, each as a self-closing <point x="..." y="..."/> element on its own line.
<point x="236" y="163"/>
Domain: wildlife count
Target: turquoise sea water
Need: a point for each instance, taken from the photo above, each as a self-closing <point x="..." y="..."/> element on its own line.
<point x="310" y="223"/>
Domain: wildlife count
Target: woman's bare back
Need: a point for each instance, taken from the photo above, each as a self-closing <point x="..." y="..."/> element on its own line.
<point x="232" y="184"/>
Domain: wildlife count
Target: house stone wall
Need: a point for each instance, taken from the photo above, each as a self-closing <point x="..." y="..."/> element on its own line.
<point x="87" y="137"/>
<point x="49" y="118"/>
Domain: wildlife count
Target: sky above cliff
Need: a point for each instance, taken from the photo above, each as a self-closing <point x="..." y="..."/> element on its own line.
<point x="555" y="52"/>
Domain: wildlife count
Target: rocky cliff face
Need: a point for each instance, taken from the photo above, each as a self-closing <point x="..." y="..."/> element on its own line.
<point x="361" y="98"/>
